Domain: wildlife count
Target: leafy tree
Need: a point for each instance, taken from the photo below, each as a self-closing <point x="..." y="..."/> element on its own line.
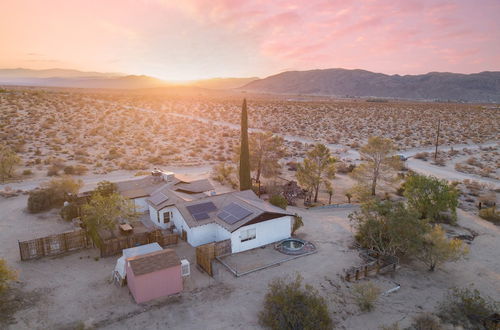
<point x="245" y="178"/>
<point x="105" y="212"/>
<point x="317" y="167"/>
<point x="297" y="223"/>
<point x="105" y="188"/>
<point x="388" y="227"/>
<point x="266" y="150"/>
<point x="430" y="196"/>
<point x="349" y="196"/>
<point x="436" y="249"/>
<point x="329" y="190"/>
<point x="288" y="305"/>
<point x="6" y="275"/>
<point x="379" y="163"/>
<point x="279" y="201"/>
<point x="8" y="161"/>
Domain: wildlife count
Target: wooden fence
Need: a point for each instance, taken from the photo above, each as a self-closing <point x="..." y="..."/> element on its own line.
<point x="114" y="246"/>
<point x="376" y="265"/>
<point x="206" y="253"/>
<point x="54" y="245"/>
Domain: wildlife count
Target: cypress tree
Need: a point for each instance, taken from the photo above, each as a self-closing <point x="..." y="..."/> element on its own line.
<point x="245" y="179"/>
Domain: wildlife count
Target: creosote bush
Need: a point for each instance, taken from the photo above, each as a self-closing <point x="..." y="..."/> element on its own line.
<point x="490" y="214"/>
<point x="366" y="294"/>
<point x="467" y="308"/>
<point x="289" y="305"/>
<point x="6" y="275"/>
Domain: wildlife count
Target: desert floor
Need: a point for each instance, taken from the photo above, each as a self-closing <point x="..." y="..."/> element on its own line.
<point x="114" y="136"/>
<point x="75" y="289"/>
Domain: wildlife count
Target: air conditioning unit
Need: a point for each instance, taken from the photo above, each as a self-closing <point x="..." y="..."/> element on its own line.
<point x="185" y="269"/>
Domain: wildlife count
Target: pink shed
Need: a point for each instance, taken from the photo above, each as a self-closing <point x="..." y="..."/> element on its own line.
<point x="154" y="275"/>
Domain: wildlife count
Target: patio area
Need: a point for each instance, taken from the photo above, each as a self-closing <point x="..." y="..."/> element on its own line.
<point x="257" y="259"/>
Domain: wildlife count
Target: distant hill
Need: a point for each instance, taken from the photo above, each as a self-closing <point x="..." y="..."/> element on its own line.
<point x="477" y="87"/>
<point x="75" y="78"/>
<point x="223" y="83"/>
<point x="50" y="73"/>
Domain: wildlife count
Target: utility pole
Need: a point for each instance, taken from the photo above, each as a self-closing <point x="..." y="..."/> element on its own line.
<point x="437" y="139"/>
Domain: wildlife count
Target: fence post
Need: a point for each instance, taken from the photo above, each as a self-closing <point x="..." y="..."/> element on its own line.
<point x="357" y="274"/>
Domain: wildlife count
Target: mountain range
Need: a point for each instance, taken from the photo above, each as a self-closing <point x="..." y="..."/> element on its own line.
<point x="442" y="86"/>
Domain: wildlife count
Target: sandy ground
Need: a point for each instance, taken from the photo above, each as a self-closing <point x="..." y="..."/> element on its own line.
<point x="75" y="288"/>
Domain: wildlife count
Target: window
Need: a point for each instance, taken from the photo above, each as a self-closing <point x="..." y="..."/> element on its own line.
<point x="248" y="234"/>
<point x="167" y="216"/>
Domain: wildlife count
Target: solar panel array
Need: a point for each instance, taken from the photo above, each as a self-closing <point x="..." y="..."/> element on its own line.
<point x="158" y="198"/>
<point x="233" y="213"/>
<point x="200" y="211"/>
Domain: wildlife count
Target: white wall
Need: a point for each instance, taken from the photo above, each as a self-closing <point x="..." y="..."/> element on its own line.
<point x="153" y="215"/>
<point x="267" y="232"/>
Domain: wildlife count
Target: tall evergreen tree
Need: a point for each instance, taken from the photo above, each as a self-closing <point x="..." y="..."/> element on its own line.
<point x="245" y="179"/>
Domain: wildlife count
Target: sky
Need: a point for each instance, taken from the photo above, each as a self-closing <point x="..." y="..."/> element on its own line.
<point x="197" y="39"/>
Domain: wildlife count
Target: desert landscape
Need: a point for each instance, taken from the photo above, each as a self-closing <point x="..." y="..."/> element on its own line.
<point x="99" y="136"/>
<point x="279" y="165"/>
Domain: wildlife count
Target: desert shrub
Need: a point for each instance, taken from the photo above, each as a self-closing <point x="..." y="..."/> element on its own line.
<point x="422" y="155"/>
<point x="141" y="173"/>
<point x="27" y="172"/>
<point x="394" y="326"/>
<point x="53" y="171"/>
<point x="467" y="308"/>
<point x="80" y="169"/>
<point x="41" y="200"/>
<point x="52" y="194"/>
<point x="279" y="201"/>
<point x="69" y="170"/>
<point x="343" y="167"/>
<point x="69" y="211"/>
<point x="365" y="294"/>
<point x="426" y="321"/>
<point x="490" y="214"/>
<point x="297" y="223"/>
<point x="6" y="275"/>
<point x="289" y="305"/>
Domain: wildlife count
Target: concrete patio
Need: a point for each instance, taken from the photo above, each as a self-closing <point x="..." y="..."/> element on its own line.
<point x="253" y="260"/>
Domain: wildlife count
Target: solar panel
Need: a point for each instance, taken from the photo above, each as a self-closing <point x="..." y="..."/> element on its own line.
<point x="158" y="198"/>
<point x="200" y="211"/>
<point x="200" y="216"/>
<point x="201" y="208"/>
<point x="233" y="213"/>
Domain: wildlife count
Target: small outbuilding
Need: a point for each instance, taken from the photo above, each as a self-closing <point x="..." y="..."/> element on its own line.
<point x="154" y="275"/>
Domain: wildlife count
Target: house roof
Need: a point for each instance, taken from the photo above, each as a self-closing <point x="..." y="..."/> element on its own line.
<point x="154" y="261"/>
<point x="170" y="193"/>
<point x="141" y="187"/>
<point x="253" y="207"/>
<point x="194" y="187"/>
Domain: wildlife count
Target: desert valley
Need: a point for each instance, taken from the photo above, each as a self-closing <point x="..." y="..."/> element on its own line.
<point x="275" y="165"/>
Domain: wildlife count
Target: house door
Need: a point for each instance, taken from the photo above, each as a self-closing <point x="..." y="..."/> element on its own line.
<point x="184" y="235"/>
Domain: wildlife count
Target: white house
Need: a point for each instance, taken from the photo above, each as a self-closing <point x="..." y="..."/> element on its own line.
<point x="140" y="189"/>
<point x="241" y="217"/>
